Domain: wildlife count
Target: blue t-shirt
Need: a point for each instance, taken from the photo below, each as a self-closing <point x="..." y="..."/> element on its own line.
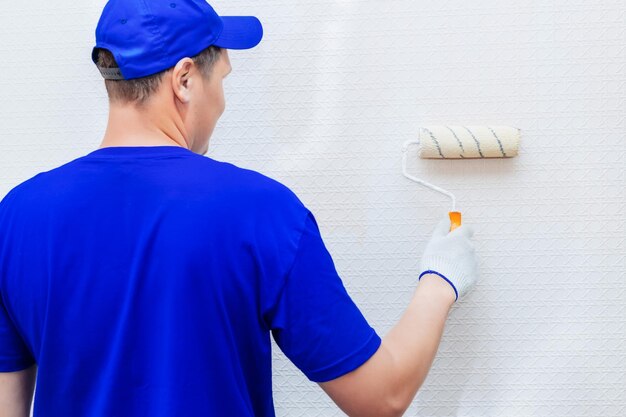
<point x="146" y="281"/>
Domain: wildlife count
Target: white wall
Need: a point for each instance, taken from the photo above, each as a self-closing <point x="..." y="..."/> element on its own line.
<point x="324" y="104"/>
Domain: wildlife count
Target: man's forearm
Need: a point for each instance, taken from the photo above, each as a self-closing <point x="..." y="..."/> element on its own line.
<point x="16" y="392"/>
<point x="387" y="382"/>
<point x="413" y="342"/>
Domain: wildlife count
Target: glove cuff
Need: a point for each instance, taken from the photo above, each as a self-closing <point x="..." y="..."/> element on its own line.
<point x="451" y="271"/>
<point x="429" y="271"/>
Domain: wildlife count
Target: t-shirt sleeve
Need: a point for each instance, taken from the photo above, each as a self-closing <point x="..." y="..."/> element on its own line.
<point x="315" y="322"/>
<point x="14" y="355"/>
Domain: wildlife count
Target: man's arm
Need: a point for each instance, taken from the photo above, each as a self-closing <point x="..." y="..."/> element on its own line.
<point x="16" y="392"/>
<point x="386" y="383"/>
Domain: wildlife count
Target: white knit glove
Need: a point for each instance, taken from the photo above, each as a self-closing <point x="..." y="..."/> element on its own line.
<point x="451" y="255"/>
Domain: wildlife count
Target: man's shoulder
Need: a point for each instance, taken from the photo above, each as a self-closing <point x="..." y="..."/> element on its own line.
<point x="24" y="188"/>
<point x="208" y="175"/>
<point x="258" y="185"/>
<point x="37" y="185"/>
<point x="203" y="172"/>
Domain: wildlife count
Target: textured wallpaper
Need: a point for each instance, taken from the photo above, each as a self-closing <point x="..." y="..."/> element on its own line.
<point x="324" y="104"/>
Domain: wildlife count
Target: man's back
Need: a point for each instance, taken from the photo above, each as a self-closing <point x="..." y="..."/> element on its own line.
<point x="147" y="280"/>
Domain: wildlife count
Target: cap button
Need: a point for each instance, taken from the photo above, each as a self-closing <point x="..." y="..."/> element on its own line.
<point x="123" y="21"/>
<point x="172" y="5"/>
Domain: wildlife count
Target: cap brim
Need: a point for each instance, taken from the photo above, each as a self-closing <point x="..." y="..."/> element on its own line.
<point x="240" y="32"/>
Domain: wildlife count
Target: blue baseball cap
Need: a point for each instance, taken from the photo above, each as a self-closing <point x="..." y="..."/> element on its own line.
<point x="150" y="36"/>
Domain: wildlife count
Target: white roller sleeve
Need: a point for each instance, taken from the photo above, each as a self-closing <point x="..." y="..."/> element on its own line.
<point x="468" y="141"/>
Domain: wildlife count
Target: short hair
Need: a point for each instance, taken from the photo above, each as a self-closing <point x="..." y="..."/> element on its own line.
<point x="138" y="90"/>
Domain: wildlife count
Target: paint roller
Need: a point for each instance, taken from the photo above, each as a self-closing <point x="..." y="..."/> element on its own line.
<point x="461" y="142"/>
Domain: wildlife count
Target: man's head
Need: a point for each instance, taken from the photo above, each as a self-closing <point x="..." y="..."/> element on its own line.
<point x="191" y="91"/>
<point x="164" y="63"/>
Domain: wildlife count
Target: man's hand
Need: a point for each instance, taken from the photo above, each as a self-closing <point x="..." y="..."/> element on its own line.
<point x="451" y="256"/>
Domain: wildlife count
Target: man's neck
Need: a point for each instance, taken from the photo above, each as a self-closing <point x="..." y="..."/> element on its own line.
<point x="130" y="126"/>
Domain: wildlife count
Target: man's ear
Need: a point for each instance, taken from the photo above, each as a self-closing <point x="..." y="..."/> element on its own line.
<point x="182" y="80"/>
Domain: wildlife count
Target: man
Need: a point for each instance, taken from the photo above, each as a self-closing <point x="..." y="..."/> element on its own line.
<point x="145" y="279"/>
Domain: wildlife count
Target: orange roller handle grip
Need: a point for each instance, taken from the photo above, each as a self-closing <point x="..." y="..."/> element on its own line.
<point x="455" y="219"/>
